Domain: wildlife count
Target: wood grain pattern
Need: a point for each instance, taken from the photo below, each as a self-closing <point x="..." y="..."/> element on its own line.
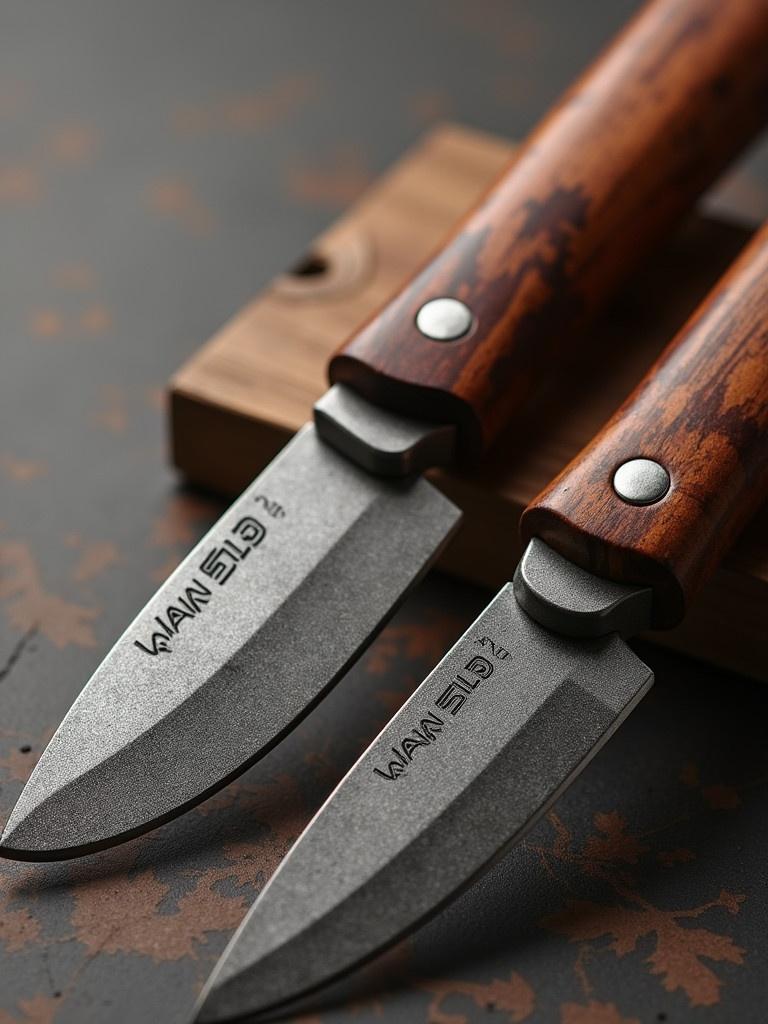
<point x="241" y="397"/>
<point x="702" y="412"/>
<point x="614" y="165"/>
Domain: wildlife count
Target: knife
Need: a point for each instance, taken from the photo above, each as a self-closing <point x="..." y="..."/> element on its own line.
<point x="619" y="542"/>
<point x="280" y="597"/>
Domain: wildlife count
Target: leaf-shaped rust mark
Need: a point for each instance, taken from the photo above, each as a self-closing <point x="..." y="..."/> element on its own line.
<point x="425" y="641"/>
<point x="336" y="183"/>
<point x="180" y="521"/>
<point x="679" y="951"/>
<point x="73" y="143"/>
<point x="112" y="413"/>
<point x="94" y="557"/>
<point x="18" y="928"/>
<point x="248" y="112"/>
<point x="30" y="606"/>
<point x="39" y="1009"/>
<point x="718" y="795"/>
<point x="120" y="913"/>
<point x="680" y="855"/>
<point x="512" y="996"/>
<point x="178" y="201"/>
<point x="22" y="753"/>
<point x="20" y="184"/>
<point x="593" y="1012"/>
<point x="614" y="842"/>
<point x="21" y="470"/>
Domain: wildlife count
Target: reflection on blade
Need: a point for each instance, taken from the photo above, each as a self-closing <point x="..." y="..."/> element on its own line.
<point x="240" y="642"/>
<point x="479" y="752"/>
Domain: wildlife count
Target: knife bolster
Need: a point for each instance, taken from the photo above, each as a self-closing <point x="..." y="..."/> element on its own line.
<point x="565" y="598"/>
<point x="381" y="442"/>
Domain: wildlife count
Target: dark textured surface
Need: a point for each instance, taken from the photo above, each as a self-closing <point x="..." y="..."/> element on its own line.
<point x="159" y="163"/>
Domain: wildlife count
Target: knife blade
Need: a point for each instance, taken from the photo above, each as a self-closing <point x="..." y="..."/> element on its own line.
<point x="281" y="596"/>
<point x="619" y="542"/>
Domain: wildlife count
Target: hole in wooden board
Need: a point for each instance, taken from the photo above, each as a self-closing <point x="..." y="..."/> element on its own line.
<point x="311" y="265"/>
<point x="340" y="264"/>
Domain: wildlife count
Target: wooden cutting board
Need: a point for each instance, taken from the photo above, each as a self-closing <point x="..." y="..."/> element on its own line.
<point x="249" y="388"/>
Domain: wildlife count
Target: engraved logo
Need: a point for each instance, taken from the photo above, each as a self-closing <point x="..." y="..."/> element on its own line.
<point x="218" y="565"/>
<point x="454" y="696"/>
<point x="431" y="725"/>
<point x="186" y="605"/>
<point x="426" y="732"/>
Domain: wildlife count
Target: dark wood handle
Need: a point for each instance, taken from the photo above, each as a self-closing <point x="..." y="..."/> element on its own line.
<point x="702" y="413"/>
<point x="613" y="166"/>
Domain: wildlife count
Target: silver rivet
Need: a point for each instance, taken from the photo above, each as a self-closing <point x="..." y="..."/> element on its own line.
<point x="444" y="319"/>
<point x="641" y="482"/>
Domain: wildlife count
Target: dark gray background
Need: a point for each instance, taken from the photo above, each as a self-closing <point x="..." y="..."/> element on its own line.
<point x="159" y="162"/>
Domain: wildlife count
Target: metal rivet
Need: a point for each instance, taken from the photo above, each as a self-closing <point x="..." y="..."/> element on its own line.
<point x="641" y="482"/>
<point x="444" y="319"/>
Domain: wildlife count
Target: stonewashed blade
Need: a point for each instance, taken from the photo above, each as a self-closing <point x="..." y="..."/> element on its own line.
<point x="241" y="641"/>
<point x="472" y="760"/>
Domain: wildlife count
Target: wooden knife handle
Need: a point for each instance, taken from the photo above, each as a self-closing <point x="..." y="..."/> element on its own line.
<point x="701" y="412"/>
<point x="613" y="166"/>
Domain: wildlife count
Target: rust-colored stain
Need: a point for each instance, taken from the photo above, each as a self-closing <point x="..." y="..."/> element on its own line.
<point x="18" y="927"/>
<point x="721" y="797"/>
<point x="613" y="843"/>
<point x="593" y="1012"/>
<point x="679" y="951"/>
<point x="680" y="855"/>
<point x="20" y="184"/>
<point x="96" y="319"/>
<point x="160" y="573"/>
<point x="335" y="182"/>
<point x="121" y="913"/>
<point x="181" y="520"/>
<point x="17" y="764"/>
<point x="718" y="795"/>
<point x="23" y="753"/>
<point x="178" y="201"/>
<point x="46" y="323"/>
<point x="247" y="112"/>
<point x="94" y="557"/>
<point x="157" y="398"/>
<point x="278" y="801"/>
<point x="22" y="469"/>
<point x="112" y="414"/>
<point x="73" y="143"/>
<point x="39" y="1009"/>
<point x="513" y="997"/>
<point x="29" y="605"/>
<point x="75" y="277"/>
<point x="425" y="641"/>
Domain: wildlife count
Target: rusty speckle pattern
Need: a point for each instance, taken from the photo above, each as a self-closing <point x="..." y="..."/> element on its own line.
<point x="150" y="181"/>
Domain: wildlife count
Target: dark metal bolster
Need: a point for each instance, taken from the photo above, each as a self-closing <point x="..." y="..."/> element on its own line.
<point x="569" y="600"/>
<point x="383" y="443"/>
